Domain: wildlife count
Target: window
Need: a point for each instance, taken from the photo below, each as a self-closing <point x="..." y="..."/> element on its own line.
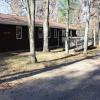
<point x="18" y="32"/>
<point x="40" y="32"/>
<point x="55" y="33"/>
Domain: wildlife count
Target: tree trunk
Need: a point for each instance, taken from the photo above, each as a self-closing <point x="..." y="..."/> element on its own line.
<point x="46" y="27"/>
<point x="66" y="41"/>
<point x="67" y="30"/>
<point x="98" y="26"/>
<point x="99" y="31"/>
<point x="86" y="37"/>
<point x="31" y="24"/>
<point x="99" y="36"/>
<point x="94" y="36"/>
<point x="87" y="28"/>
<point x="32" y="44"/>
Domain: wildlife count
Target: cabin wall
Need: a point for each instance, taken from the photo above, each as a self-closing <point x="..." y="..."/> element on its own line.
<point x="9" y="42"/>
<point x="54" y="38"/>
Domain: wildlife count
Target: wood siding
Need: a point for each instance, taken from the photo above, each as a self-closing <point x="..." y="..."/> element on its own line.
<point x="8" y="41"/>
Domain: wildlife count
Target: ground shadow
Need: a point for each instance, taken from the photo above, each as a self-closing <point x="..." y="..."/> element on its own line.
<point x="52" y="66"/>
<point x="61" y="87"/>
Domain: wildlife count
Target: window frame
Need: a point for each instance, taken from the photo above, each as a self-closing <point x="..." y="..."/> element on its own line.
<point x="21" y="37"/>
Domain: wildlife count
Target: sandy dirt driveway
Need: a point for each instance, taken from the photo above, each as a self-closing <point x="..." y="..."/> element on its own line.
<point x="77" y="81"/>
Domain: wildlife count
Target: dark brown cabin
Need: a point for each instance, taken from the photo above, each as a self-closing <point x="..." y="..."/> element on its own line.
<point x="14" y="33"/>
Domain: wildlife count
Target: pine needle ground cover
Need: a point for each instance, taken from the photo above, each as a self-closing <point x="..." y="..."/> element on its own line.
<point x="17" y="67"/>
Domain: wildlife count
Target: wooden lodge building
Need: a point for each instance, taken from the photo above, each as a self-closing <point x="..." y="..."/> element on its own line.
<point x="14" y="33"/>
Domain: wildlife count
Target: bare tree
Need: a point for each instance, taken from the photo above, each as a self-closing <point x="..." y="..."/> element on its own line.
<point x="30" y="6"/>
<point x="85" y="18"/>
<point x="96" y="4"/>
<point x="94" y="33"/>
<point x="14" y="5"/>
<point x="46" y="26"/>
<point x="67" y="27"/>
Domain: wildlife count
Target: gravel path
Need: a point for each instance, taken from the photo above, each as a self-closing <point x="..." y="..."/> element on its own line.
<point x="78" y="81"/>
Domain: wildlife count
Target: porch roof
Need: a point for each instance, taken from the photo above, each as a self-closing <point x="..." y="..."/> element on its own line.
<point x="19" y="20"/>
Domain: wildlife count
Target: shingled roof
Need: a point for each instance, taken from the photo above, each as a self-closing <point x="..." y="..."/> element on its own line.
<point x="19" y="20"/>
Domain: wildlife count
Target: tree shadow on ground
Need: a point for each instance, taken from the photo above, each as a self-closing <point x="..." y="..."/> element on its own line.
<point x="52" y="66"/>
<point x="60" y="87"/>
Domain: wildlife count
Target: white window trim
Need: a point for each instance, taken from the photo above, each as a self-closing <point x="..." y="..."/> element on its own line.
<point x="16" y="32"/>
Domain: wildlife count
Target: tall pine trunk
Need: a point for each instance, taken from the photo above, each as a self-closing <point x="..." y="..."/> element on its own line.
<point x="87" y="28"/>
<point x="66" y="41"/>
<point x="98" y="27"/>
<point x="30" y="4"/>
<point x="86" y="37"/>
<point x="94" y="35"/>
<point x="67" y="29"/>
<point x="99" y="33"/>
<point x="46" y="27"/>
